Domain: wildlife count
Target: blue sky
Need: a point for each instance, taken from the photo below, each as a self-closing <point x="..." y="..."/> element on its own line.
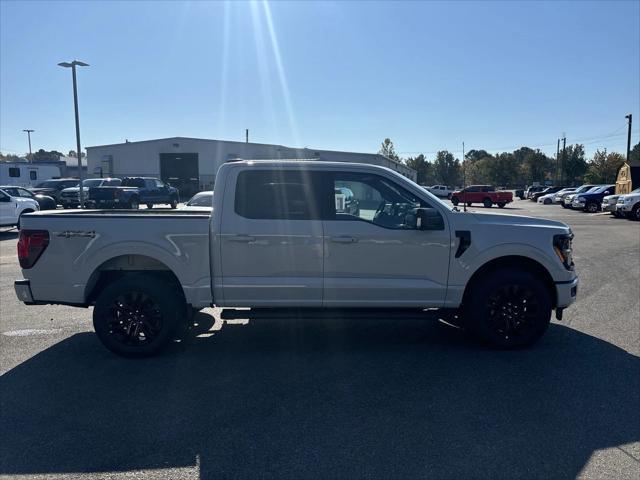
<point x="328" y="75"/>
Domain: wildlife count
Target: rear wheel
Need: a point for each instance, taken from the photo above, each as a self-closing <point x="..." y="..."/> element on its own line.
<point x="468" y="204"/>
<point x="173" y="202"/>
<point x="547" y="201"/>
<point x="137" y="315"/>
<point x="149" y="206"/>
<point x="501" y="204"/>
<point x="635" y="213"/>
<point x="134" y="203"/>
<point x="487" y="203"/>
<point x="591" y="207"/>
<point x="455" y="201"/>
<point x="508" y="308"/>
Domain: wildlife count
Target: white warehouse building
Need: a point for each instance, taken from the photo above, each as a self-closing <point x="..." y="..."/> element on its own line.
<point x="190" y="164"/>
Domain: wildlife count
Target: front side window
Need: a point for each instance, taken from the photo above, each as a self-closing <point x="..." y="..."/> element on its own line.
<point x="375" y="199"/>
<point x="159" y="184"/>
<point x="278" y="195"/>
<point x="24" y="193"/>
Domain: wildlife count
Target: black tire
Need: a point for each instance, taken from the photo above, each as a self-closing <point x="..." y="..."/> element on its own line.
<point x="546" y="202"/>
<point x="173" y="201"/>
<point x="508" y="308"/>
<point x="134" y="203"/>
<point x="149" y="206"/>
<point x="501" y="204"/>
<point x="563" y="205"/>
<point x="137" y="316"/>
<point x="635" y="213"/>
<point x="469" y="204"/>
<point x="455" y="201"/>
<point x="591" y="207"/>
<point x="487" y="203"/>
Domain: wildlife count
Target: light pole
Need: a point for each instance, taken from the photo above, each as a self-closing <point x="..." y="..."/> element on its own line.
<point x="72" y="66"/>
<point x="29" y="132"/>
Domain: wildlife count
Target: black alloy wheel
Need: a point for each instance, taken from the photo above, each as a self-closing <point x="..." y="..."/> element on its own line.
<point x="138" y="315"/>
<point x="134" y="319"/>
<point x="509" y="308"/>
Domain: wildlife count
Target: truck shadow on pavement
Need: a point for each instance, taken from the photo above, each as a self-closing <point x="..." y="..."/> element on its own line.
<point x="323" y="399"/>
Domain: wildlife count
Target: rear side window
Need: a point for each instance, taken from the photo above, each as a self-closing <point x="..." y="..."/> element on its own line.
<point x="278" y="195"/>
<point x="14" y="172"/>
<point x="133" y="182"/>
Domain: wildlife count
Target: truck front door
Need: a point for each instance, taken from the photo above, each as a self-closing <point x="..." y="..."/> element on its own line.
<point x="376" y="256"/>
<point x="271" y="239"/>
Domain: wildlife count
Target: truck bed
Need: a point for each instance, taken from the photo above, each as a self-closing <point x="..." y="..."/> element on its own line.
<point x="85" y="243"/>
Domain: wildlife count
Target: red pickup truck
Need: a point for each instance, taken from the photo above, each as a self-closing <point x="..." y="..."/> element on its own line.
<point x="485" y="194"/>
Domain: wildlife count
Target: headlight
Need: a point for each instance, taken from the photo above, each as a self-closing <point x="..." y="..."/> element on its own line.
<point x="562" y="245"/>
<point x="628" y="200"/>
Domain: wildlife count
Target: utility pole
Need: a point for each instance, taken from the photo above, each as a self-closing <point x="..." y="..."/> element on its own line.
<point x="564" y="158"/>
<point x="558" y="163"/>
<point x="464" y="177"/>
<point x="29" y="132"/>
<point x="630" y="117"/>
<point x="246" y="135"/>
<point x="73" y="66"/>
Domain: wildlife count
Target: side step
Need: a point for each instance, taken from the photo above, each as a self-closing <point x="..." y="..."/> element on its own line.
<point x="314" y="313"/>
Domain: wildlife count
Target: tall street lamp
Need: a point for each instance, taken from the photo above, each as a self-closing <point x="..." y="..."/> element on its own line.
<point x="72" y="66"/>
<point x="29" y="132"/>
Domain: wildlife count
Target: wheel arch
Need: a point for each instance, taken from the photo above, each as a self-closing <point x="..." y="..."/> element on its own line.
<point x="117" y="267"/>
<point x="517" y="262"/>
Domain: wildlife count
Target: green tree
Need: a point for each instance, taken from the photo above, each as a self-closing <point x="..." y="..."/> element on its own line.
<point x="423" y="168"/>
<point x="603" y="167"/>
<point x="573" y="164"/>
<point x="634" y="154"/>
<point x="387" y="149"/>
<point x="446" y="169"/>
<point x="475" y="155"/>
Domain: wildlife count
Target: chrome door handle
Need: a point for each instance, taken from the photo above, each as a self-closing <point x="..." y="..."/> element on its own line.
<point x="344" y="239"/>
<point x="242" y="238"/>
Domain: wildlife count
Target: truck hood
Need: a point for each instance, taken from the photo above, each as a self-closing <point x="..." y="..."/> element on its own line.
<point x="517" y="220"/>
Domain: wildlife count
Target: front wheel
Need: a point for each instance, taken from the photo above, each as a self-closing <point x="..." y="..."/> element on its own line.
<point x="635" y="213"/>
<point x="173" y="202"/>
<point x="455" y="201"/>
<point x="149" y="206"/>
<point x="591" y="207"/>
<point x="137" y="315"/>
<point x="487" y="203"/>
<point x="501" y="204"/>
<point x="546" y="201"/>
<point x="508" y="308"/>
<point x="134" y="204"/>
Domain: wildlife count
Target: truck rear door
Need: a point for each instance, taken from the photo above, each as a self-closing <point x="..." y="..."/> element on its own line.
<point x="271" y="239"/>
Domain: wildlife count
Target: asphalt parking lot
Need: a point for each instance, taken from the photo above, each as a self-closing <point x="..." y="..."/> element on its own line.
<point x="334" y="398"/>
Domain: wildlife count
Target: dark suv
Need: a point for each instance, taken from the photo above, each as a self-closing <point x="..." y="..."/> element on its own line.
<point x="52" y="188"/>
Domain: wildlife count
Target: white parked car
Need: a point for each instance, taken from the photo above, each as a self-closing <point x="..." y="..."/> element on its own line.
<point x="201" y="201"/>
<point x="441" y="191"/>
<point x="609" y="204"/>
<point x="12" y="208"/>
<point x="558" y="197"/>
<point x="629" y="205"/>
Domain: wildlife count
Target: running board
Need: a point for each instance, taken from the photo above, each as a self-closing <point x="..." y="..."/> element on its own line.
<point x="314" y="313"/>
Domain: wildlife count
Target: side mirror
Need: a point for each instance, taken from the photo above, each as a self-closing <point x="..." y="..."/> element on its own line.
<point x="607" y="192"/>
<point x="429" y="219"/>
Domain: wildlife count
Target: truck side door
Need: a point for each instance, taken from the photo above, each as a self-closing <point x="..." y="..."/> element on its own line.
<point x="271" y="239"/>
<point x="376" y="256"/>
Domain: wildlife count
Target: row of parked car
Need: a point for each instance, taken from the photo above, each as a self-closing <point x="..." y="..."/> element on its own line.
<point x="589" y="198"/>
<point x="130" y="193"/>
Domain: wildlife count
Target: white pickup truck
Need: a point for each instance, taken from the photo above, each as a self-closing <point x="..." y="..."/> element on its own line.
<point x="279" y="237"/>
